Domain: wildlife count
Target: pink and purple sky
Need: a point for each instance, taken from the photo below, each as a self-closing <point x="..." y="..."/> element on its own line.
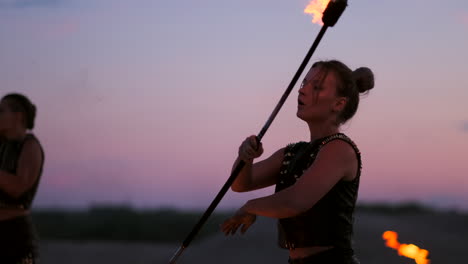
<point x="145" y="102"/>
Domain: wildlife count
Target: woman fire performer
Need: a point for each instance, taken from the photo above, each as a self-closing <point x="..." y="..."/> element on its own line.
<point x="21" y="162"/>
<point x="316" y="182"/>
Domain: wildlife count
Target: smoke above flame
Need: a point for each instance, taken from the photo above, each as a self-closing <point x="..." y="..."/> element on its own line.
<point x="406" y="250"/>
<point x="316" y="8"/>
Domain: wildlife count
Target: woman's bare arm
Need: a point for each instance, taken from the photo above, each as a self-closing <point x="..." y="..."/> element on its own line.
<point x="260" y="174"/>
<point x="336" y="161"/>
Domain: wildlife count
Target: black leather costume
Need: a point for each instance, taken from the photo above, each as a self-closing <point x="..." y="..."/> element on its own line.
<point x="330" y="221"/>
<point x="10" y="152"/>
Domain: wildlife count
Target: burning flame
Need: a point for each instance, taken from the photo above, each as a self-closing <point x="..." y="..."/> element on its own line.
<point x="409" y="251"/>
<point x="316" y="8"/>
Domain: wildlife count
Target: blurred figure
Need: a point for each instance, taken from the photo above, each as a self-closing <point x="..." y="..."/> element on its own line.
<point x="21" y="162"/>
<point x="316" y="181"/>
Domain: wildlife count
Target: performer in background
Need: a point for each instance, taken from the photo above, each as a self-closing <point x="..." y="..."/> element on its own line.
<point x="316" y="181"/>
<point x="21" y="162"/>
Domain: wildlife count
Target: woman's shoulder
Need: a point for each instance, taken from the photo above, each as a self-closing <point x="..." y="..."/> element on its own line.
<point x="340" y="137"/>
<point x="31" y="137"/>
<point x="32" y="143"/>
<point x="341" y="147"/>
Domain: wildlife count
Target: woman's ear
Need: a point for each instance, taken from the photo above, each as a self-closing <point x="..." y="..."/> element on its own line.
<point x="340" y="104"/>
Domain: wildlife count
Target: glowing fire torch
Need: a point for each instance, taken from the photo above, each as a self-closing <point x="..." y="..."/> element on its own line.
<point x="331" y="14"/>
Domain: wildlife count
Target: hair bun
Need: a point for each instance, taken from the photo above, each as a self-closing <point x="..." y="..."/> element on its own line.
<point x="364" y="79"/>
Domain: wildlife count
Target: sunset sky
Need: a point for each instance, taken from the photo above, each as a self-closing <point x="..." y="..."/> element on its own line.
<point x="145" y="102"/>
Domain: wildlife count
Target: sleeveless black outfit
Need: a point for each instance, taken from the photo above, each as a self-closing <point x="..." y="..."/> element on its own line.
<point x="330" y="221"/>
<point x="18" y="239"/>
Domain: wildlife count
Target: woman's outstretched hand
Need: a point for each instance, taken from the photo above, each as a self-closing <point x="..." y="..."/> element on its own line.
<point x="240" y="218"/>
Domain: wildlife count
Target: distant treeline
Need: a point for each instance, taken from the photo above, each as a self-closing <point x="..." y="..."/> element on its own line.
<point x="398" y="208"/>
<point x="159" y="225"/>
<point x="122" y="223"/>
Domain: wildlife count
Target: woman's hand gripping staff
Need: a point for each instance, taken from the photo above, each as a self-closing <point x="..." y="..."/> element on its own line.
<point x="249" y="150"/>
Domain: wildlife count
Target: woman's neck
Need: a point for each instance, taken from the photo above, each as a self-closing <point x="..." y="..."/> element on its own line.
<point x="322" y="130"/>
<point x="17" y="134"/>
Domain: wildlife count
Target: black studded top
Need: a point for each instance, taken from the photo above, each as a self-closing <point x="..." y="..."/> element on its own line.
<point x="10" y="151"/>
<point x="330" y="221"/>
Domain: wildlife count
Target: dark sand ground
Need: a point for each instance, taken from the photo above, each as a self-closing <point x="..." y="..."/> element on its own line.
<point x="442" y="234"/>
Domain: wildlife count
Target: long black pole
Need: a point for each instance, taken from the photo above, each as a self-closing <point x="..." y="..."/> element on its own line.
<point x="331" y="15"/>
<point x="292" y="83"/>
<point x="241" y="164"/>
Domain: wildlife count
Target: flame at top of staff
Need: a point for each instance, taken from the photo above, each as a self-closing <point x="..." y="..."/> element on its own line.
<point x="316" y="9"/>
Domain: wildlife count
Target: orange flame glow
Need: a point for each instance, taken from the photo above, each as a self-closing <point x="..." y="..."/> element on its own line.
<point x="407" y="250"/>
<point x="316" y="8"/>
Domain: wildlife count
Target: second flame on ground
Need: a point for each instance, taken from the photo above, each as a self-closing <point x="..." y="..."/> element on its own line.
<point x="407" y="250"/>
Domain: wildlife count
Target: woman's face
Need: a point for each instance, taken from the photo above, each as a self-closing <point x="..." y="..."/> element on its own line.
<point x="317" y="100"/>
<point x="8" y="118"/>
